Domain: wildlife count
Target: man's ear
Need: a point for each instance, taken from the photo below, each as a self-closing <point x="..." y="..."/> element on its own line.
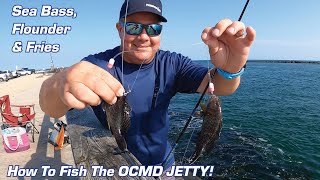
<point x="119" y="28"/>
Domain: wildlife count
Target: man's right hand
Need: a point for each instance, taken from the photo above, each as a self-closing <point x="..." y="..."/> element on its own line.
<point x="76" y="87"/>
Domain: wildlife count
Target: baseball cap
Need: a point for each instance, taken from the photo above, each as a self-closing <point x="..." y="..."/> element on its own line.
<point x="134" y="6"/>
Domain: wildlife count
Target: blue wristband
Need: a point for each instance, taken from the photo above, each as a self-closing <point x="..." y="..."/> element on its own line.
<point x="228" y="75"/>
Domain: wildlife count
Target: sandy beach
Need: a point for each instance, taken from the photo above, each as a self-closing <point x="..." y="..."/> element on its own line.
<point x="25" y="90"/>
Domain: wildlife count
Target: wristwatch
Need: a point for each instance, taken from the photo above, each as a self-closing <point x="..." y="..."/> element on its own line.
<point x="228" y="75"/>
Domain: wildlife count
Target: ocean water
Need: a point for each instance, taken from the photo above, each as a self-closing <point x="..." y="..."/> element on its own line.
<point x="271" y="125"/>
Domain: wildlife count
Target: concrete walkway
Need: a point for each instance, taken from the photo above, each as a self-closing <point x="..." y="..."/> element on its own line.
<point x="25" y="90"/>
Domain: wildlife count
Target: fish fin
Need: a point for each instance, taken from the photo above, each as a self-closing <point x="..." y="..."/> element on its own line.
<point x="203" y="107"/>
<point x="121" y="142"/>
<point x="195" y="156"/>
<point x="60" y="139"/>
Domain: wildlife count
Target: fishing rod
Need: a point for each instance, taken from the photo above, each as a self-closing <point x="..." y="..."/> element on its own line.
<point x="243" y="10"/>
<point x="196" y="106"/>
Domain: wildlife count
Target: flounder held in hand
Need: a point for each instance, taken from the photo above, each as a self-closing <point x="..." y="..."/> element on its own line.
<point x="118" y="119"/>
<point x="211" y="127"/>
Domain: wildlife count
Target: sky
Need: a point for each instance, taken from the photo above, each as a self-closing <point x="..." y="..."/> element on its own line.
<point x="286" y="29"/>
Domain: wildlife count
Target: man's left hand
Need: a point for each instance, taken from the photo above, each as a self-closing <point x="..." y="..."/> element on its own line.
<point x="228" y="44"/>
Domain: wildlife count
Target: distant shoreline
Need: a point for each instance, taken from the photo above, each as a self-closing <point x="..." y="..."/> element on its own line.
<point x="281" y="61"/>
<point x="285" y="61"/>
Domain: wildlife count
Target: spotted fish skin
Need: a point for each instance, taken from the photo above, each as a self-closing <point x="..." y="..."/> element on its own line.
<point x="118" y="119"/>
<point x="211" y="127"/>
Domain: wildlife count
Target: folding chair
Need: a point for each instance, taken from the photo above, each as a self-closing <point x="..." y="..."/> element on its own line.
<point x="24" y="115"/>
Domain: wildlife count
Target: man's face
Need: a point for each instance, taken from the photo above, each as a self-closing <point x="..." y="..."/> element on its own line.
<point x="142" y="47"/>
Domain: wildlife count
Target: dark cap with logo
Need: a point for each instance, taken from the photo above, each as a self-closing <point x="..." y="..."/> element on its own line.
<point x="134" y="6"/>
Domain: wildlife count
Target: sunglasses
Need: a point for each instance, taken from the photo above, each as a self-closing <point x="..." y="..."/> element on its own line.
<point x="136" y="28"/>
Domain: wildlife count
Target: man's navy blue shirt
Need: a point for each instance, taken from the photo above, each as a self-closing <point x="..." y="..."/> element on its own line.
<point x="147" y="137"/>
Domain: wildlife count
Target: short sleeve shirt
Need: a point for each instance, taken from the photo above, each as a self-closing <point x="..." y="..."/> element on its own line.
<point x="152" y="86"/>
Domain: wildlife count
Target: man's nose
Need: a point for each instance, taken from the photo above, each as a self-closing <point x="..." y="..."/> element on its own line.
<point x="144" y="34"/>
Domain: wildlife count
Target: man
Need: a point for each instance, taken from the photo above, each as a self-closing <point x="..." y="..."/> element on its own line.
<point x="151" y="75"/>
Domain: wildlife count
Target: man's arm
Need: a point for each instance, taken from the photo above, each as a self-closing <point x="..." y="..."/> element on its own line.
<point x="76" y="87"/>
<point x="222" y="86"/>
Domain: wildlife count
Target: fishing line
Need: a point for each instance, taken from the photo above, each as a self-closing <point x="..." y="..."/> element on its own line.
<point x="112" y="60"/>
<point x="126" y="153"/>
<point x="115" y="56"/>
<point x="129" y="90"/>
<point x="196" y="106"/>
<point x="52" y="65"/>
<point x="185" y="127"/>
<point x="124" y="35"/>
<point x="192" y="117"/>
<point x="184" y="154"/>
<point x="239" y="19"/>
<point x="210" y="85"/>
<point x="211" y="89"/>
<point x="201" y="97"/>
